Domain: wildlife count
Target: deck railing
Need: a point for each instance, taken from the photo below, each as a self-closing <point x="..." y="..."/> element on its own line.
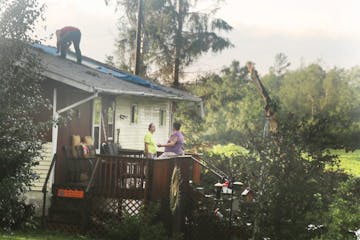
<point x="121" y="176"/>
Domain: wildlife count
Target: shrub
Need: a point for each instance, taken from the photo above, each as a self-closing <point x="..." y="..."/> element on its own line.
<point x="143" y="226"/>
<point x="20" y="99"/>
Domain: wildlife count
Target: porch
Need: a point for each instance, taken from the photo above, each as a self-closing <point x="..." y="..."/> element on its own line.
<point x="122" y="185"/>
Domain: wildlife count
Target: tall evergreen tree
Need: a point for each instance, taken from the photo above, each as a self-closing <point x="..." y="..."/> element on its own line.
<point x="174" y="36"/>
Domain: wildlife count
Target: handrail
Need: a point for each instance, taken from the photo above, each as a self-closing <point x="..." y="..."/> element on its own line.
<point x="44" y="189"/>
<point x="92" y="175"/>
<point x="85" y="213"/>
<point x="211" y="168"/>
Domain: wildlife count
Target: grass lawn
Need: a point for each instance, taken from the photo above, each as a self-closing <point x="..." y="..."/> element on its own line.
<point x="349" y="161"/>
<point x="40" y="236"/>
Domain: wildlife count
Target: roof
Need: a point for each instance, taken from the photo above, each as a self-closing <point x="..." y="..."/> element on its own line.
<point x="93" y="76"/>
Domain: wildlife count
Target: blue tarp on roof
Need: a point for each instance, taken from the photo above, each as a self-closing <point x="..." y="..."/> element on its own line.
<point x="102" y="68"/>
<point x="129" y="77"/>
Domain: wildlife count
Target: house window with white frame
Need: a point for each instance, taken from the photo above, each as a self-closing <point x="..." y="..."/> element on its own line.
<point x="134" y="113"/>
<point x="162" y="117"/>
<point x="96" y="134"/>
<point x="111" y="113"/>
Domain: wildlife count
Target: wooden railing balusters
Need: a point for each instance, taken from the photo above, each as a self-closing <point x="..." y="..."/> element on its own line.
<point x="110" y="176"/>
<point x="116" y="178"/>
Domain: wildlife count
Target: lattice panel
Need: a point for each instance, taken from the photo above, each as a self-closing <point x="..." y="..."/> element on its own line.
<point x="110" y="210"/>
<point x="131" y="207"/>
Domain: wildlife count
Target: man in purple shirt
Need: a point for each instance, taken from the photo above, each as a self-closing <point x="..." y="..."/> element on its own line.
<point x="175" y="144"/>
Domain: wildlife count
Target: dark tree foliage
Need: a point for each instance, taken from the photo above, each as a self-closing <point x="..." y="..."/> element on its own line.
<point x="294" y="183"/>
<point x="293" y="180"/>
<point x="343" y="216"/>
<point x="20" y="100"/>
<point x="293" y="173"/>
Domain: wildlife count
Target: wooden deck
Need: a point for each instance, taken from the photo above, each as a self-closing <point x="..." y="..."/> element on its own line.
<point x="137" y="177"/>
<point x="119" y="185"/>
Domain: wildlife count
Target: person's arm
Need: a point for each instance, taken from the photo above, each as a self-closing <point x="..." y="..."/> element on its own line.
<point x="171" y="143"/>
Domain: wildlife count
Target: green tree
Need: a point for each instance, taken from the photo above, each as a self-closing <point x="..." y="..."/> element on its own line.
<point x="344" y="211"/>
<point x="20" y="99"/>
<point x="323" y="99"/>
<point x="280" y="65"/>
<point x="292" y="184"/>
<point x="311" y="91"/>
<point x="231" y="105"/>
<point x="292" y="172"/>
<point x="353" y="75"/>
<point x="174" y="36"/>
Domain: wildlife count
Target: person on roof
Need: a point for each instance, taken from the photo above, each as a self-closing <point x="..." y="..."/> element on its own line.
<point x="64" y="37"/>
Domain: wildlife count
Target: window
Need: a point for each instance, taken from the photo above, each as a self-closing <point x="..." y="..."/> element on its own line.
<point x="97" y="137"/>
<point x="96" y="124"/>
<point x="111" y="122"/>
<point x="162" y="117"/>
<point x="134" y="114"/>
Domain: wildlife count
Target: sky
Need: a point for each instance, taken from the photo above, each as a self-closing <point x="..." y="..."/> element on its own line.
<point x="306" y="31"/>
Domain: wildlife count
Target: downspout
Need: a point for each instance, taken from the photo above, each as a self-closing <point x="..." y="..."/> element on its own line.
<point x="55" y="130"/>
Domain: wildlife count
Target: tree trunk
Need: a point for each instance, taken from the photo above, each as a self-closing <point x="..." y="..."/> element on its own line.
<point x="138" y="39"/>
<point x="178" y="43"/>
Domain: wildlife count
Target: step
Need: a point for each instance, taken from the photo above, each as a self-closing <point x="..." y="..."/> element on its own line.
<point x="71" y="202"/>
<point x="66" y="208"/>
<point x="69" y="217"/>
<point x="63" y="226"/>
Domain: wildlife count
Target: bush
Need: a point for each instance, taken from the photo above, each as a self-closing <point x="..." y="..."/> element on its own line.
<point x="143" y="226"/>
<point x="204" y="225"/>
<point x="344" y="211"/>
<point x="20" y="100"/>
<point x="15" y="214"/>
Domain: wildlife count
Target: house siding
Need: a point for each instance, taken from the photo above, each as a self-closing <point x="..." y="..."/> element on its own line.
<point x="43" y="167"/>
<point x="132" y="134"/>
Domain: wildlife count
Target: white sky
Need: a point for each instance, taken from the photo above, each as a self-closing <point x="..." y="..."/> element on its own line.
<point x="325" y="31"/>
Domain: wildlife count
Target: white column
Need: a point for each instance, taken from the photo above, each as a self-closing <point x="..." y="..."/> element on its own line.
<point x="55" y="130"/>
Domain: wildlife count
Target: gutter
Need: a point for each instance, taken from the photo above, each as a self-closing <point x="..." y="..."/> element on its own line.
<point x="143" y="94"/>
<point x="91" y="89"/>
<point x="68" y="81"/>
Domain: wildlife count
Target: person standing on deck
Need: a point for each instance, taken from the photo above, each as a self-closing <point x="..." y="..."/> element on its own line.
<point x="150" y="145"/>
<point x="175" y="144"/>
<point x="65" y="37"/>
